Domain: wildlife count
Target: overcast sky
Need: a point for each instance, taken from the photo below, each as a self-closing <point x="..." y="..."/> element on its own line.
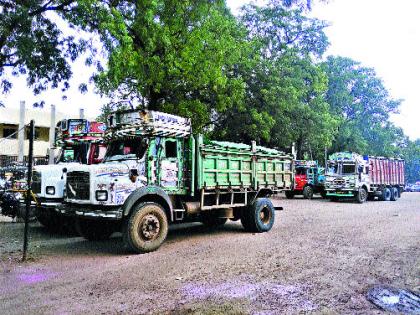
<point x="382" y="34"/>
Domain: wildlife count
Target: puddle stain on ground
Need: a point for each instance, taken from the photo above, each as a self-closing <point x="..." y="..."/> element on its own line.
<point x="30" y="278"/>
<point x="265" y="296"/>
<point x="394" y="300"/>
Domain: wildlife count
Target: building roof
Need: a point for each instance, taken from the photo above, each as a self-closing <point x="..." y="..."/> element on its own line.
<point x="40" y="115"/>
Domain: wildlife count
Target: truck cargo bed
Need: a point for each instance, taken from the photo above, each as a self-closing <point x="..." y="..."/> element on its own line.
<point x="232" y="165"/>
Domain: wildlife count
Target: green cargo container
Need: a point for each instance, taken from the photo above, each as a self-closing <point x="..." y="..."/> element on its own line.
<point x="230" y="165"/>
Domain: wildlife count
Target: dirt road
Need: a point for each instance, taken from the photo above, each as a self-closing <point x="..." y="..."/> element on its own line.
<point x="320" y="257"/>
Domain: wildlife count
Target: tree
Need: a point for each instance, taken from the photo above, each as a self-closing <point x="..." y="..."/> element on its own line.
<point x="175" y="56"/>
<point x="285" y="89"/>
<point x="411" y="154"/>
<point x="363" y="105"/>
<point x="32" y="44"/>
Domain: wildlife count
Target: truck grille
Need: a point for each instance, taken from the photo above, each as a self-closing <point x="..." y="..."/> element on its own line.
<point x="36" y="182"/>
<point x="78" y="185"/>
<point x="339" y="181"/>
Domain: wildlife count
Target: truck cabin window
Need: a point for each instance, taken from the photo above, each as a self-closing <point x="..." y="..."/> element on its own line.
<point x="332" y="169"/>
<point x="99" y="152"/>
<point x="171" y="149"/>
<point x="348" y="169"/>
<point x="75" y="153"/>
<point x="126" y="149"/>
<point x="300" y="171"/>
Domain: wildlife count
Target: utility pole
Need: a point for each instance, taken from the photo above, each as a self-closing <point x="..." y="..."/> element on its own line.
<point x="21" y="133"/>
<point x="29" y="189"/>
<point x="81" y="113"/>
<point x="52" y="136"/>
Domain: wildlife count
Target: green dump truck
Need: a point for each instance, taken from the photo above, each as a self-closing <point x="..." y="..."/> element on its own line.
<point x="156" y="172"/>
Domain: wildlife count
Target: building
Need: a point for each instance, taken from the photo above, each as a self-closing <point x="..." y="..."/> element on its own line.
<point x="9" y="135"/>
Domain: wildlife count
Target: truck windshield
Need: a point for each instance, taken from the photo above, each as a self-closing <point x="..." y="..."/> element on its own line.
<point x="127" y="149"/>
<point x="332" y="169"/>
<point x="348" y="169"/>
<point x="75" y="153"/>
<point x="300" y="171"/>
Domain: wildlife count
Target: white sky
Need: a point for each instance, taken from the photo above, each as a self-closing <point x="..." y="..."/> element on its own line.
<point x="382" y="34"/>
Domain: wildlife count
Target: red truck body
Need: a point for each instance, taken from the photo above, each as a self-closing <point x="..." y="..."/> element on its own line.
<point x="385" y="171"/>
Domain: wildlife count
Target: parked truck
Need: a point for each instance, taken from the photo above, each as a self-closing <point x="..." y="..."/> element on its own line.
<point x="309" y="179"/>
<point x="78" y="141"/>
<point x="156" y="172"/>
<point x="351" y="175"/>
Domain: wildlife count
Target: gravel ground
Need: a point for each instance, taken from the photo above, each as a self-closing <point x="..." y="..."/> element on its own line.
<point x="320" y="257"/>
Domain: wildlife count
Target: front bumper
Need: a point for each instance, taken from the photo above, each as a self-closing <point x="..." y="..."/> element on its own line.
<point x="50" y="202"/>
<point x="92" y="212"/>
<point x="343" y="192"/>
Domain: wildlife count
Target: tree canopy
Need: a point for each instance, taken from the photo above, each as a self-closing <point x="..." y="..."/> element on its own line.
<point x="32" y="44"/>
<point x="260" y="76"/>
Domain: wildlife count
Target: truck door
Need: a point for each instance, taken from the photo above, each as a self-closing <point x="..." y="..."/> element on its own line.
<point x="310" y="175"/>
<point x="170" y="164"/>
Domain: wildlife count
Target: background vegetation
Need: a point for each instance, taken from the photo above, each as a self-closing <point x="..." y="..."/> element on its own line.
<point x="262" y="75"/>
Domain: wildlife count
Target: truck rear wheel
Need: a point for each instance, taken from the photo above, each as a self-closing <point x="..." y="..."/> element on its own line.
<point x="290" y="194"/>
<point x="361" y="195"/>
<point x="386" y="195"/>
<point x="94" y="230"/>
<point x="146" y="228"/>
<point x="308" y="192"/>
<point x="258" y="217"/>
<point x="394" y="194"/>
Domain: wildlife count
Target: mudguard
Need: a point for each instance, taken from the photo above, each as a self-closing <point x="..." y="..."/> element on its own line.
<point x="154" y="191"/>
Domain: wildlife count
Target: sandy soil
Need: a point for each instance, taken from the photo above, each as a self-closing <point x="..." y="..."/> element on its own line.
<point x="320" y="257"/>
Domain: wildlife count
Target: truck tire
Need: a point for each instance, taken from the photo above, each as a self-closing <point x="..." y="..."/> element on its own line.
<point x="94" y="230"/>
<point x="308" y="192"/>
<point x="146" y="228"/>
<point x="211" y="221"/>
<point x="386" y="195"/>
<point x="323" y="194"/>
<point x="290" y="194"/>
<point x="258" y="217"/>
<point x="361" y="195"/>
<point x="394" y="194"/>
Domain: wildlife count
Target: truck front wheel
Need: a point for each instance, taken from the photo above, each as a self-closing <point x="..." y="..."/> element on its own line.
<point x="146" y="228"/>
<point x="361" y="195"/>
<point x="94" y="230"/>
<point x="258" y="217"/>
<point x="308" y="192"/>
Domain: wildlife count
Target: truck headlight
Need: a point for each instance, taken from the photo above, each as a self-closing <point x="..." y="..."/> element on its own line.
<point x="101" y="195"/>
<point x="50" y="190"/>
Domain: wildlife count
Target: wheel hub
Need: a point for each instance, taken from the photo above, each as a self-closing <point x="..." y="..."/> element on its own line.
<point x="150" y="227"/>
<point x="265" y="215"/>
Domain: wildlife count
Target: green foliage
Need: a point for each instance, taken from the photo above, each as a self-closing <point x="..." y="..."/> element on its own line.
<point x="175" y="56"/>
<point x="411" y="154"/>
<point x="363" y="105"/>
<point x="32" y="43"/>
<point x="285" y="89"/>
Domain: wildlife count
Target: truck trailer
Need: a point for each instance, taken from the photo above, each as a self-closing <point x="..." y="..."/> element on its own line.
<point x="351" y="175"/>
<point x="156" y="172"/>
